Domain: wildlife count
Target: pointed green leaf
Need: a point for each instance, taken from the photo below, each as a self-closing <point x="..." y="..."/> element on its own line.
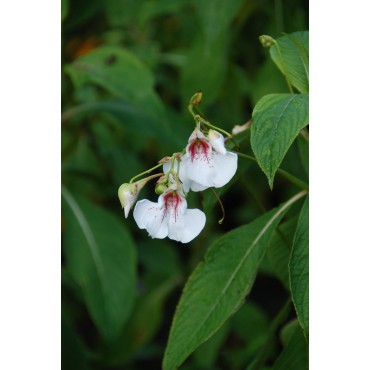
<point x="218" y="285"/>
<point x="277" y="120"/>
<point x="295" y="354"/>
<point x="100" y="256"/>
<point x="290" y="54"/>
<point x="298" y="267"/>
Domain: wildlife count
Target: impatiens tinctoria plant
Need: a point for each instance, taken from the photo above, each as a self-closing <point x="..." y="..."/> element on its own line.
<point x="246" y="150"/>
<point x="203" y="164"/>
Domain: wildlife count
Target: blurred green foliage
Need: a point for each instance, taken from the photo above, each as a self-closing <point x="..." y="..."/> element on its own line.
<point x="129" y="68"/>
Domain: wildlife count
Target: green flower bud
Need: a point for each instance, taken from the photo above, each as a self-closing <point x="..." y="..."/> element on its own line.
<point x="196" y="99"/>
<point x="266" y="41"/>
<point x="160" y="188"/>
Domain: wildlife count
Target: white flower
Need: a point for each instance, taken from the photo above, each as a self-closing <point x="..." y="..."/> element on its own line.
<point x="206" y="162"/>
<point x="169" y="217"/>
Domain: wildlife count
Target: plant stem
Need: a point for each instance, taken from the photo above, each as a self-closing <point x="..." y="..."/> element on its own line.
<point x="221" y="205"/>
<point x="287" y="175"/>
<point x="145" y="172"/>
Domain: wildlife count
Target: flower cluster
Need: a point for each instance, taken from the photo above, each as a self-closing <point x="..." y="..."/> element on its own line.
<point x="203" y="164"/>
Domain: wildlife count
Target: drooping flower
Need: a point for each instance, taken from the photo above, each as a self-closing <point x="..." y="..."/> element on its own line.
<point x="169" y="217"/>
<point x="206" y="162"/>
<point x="128" y="193"/>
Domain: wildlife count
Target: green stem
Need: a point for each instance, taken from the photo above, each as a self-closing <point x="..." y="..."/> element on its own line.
<point x="221" y="205"/>
<point x="287" y="175"/>
<point x="199" y="118"/>
<point x="146" y="172"/>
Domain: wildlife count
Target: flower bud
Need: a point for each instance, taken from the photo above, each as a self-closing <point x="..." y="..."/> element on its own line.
<point x="266" y="41"/>
<point x="196" y="99"/>
<point x="128" y="193"/>
<point x="160" y="188"/>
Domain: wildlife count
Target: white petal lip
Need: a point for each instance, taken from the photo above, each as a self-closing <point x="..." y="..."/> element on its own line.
<point x="188" y="226"/>
<point x="225" y="167"/>
<point x="179" y="224"/>
<point x="149" y="215"/>
<point x="199" y="175"/>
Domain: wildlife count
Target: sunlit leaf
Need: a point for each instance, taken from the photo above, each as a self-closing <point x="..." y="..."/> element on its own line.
<point x="218" y="285"/>
<point x="101" y="258"/>
<point x="277" y="120"/>
<point x="298" y="267"/>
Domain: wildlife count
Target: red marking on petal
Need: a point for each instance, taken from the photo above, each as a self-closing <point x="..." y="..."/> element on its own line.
<point x="200" y="149"/>
<point x="172" y="201"/>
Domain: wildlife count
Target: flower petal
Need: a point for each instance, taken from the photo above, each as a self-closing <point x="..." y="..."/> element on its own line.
<point x="199" y="171"/>
<point x="225" y="168"/>
<point x="217" y="141"/>
<point x="149" y="215"/>
<point x="188" y="226"/>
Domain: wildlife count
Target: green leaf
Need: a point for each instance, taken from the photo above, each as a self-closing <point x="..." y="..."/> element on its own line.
<point x="298" y="268"/>
<point x="132" y="118"/>
<point x="279" y="250"/>
<point x="290" y="54"/>
<point x="295" y="354"/>
<point x="122" y="74"/>
<point x="149" y="312"/>
<point x="206" y="355"/>
<point x="218" y="286"/>
<point x="216" y="15"/>
<point x="287" y="332"/>
<point x="205" y="68"/>
<point x="100" y="256"/>
<point x="277" y="120"/>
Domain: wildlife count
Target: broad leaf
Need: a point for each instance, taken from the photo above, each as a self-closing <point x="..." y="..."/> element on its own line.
<point x="298" y="268"/>
<point x="277" y="120"/>
<point x="100" y="256"/>
<point x="290" y="54"/>
<point x="218" y="285"/>
<point x="295" y="354"/>
<point x="122" y="74"/>
<point x="206" y="355"/>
